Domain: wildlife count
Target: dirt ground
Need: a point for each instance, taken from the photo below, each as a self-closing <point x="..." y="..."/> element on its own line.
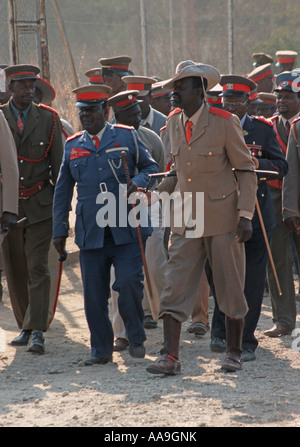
<point x="53" y="390"/>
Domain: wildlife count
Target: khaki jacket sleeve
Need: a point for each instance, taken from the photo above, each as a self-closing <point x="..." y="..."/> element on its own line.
<point x="9" y="169"/>
<point x="291" y="182"/>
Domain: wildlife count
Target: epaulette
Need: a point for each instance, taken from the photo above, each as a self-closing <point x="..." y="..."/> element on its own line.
<point x="174" y="111"/>
<point x="263" y="120"/>
<point x="75" y="135"/>
<point x="220" y="112"/>
<point x="273" y="118"/>
<point x="123" y="126"/>
<point x="48" y="108"/>
<point x="295" y="120"/>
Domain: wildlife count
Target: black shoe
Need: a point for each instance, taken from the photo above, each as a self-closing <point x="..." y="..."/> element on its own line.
<point x="248" y="355"/>
<point x="137" y="350"/>
<point x="95" y="361"/>
<point x="22" y="339"/>
<point x="37" y="342"/>
<point x="218" y="344"/>
<point x="149" y="323"/>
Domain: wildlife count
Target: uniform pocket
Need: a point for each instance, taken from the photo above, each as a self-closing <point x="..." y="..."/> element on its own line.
<point x="78" y="167"/>
<point x="212" y="160"/>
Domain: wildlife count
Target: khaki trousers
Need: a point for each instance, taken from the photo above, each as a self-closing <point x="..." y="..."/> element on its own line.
<point x="187" y="259"/>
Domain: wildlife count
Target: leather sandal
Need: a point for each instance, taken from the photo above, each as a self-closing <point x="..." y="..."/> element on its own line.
<point x="166" y="364"/>
<point x="232" y="362"/>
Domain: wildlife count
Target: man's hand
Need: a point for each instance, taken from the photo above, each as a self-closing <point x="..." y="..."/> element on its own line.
<point x="60" y="244"/>
<point x="8" y="222"/>
<point x="131" y="188"/>
<point x="293" y="224"/>
<point x="244" y="230"/>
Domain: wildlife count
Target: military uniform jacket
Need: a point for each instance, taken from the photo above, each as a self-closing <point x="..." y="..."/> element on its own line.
<point x="291" y="182"/>
<point x="261" y="140"/>
<point x="205" y="165"/>
<point x="39" y="152"/>
<point x="9" y="170"/>
<point x="100" y="170"/>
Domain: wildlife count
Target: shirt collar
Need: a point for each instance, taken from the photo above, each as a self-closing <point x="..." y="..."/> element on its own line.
<point x="242" y="120"/>
<point x="99" y="134"/>
<point x="284" y="120"/>
<point x="194" y="118"/>
<point x="17" y="111"/>
<point x="148" y="119"/>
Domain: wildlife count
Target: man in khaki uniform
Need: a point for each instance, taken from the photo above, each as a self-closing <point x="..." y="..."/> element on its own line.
<point x="9" y="178"/>
<point x="291" y="183"/>
<point x="204" y="158"/>
<point x="9" y="172"/>
<point x="37" y="133"/>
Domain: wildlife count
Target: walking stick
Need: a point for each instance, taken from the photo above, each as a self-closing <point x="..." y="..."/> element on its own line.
<point x="267" y="244"/>
<point x="124" y="159"/>
<point x="61" y="259"/>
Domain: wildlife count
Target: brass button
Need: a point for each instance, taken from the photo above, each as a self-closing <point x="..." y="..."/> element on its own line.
<point x="189" y="163"/>
<point x="210" y="153"/>
<point x="189" y="148"/>
<point x="189" y="179"/>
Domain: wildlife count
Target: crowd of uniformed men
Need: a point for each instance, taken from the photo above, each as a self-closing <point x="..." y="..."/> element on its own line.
<point x="233" y="138"/>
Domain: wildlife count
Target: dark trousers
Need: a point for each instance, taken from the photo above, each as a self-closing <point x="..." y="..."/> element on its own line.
<point x="95" y="268"/>
<point x="256" y="263"/>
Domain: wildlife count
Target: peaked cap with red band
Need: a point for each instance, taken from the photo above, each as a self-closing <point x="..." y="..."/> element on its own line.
<point x="267" y="98"/>
<point x="288" y="80"/>
<point x="90" y="95"/>
<point x="20" y="72"/>
<point x="285" y="57"/>
<point x="236" y="85"/>
<point x="261" y="72"/>
<point x="213" y="96"/>
<point x="141" y="83"/>
<point x="261" y="59"/>
<point x="124" y="100"/>
<point x="95" y="76"/>
<point x="117" y="64"/>
<point x="157" y="90"/>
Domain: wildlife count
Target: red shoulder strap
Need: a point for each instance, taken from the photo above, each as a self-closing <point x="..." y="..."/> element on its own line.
<point x="293" y="128"/>
<point x="174" y="111"/>
<point x="264" y="120"/>
<point x="123" y="126"/>
<point x="48" y="108"/>
<point x="75" y="135"/>
<point x="220" y="112"/>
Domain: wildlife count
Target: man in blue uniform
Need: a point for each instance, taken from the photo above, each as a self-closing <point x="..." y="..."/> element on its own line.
<point x="261" y="140"/>
<point x="92" y="160"/>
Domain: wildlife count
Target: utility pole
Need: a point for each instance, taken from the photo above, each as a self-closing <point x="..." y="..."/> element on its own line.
<point x="144" y="36"/>
<point x="230" y="38"/>
<point x="66" y="44"/>
<point x="171" y="36"/>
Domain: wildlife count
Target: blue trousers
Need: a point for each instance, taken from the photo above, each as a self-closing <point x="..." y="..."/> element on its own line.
<point x="95" y="269"/>
<point x="256" y="263"/>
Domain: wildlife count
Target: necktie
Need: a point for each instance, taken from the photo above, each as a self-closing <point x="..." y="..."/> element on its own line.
<point x="287" y="128"/>
<point x="97" y="142"/>
<point x="188" y="131"/>
<point x="20" y="122"/>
